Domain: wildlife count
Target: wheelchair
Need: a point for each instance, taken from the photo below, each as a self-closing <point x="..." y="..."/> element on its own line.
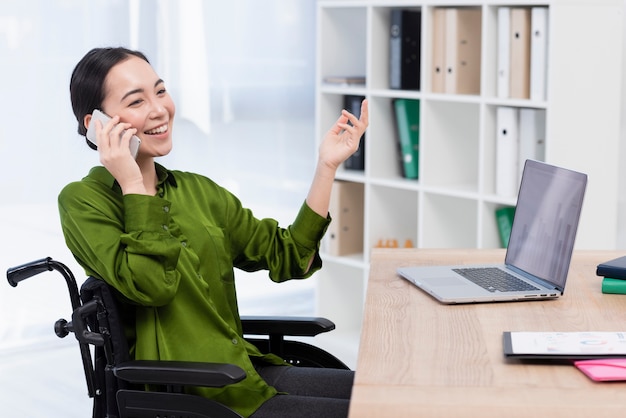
<point x="117" y="384"/>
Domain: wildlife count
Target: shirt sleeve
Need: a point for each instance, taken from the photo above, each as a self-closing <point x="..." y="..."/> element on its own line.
<point x="123" y="240"/>
<point x="285" y="252"/>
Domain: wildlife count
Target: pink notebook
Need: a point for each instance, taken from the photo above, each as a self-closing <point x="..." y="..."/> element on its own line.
<point x="603" y="370"/>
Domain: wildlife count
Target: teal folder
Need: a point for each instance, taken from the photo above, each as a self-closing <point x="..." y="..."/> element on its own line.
<point x="610" y="285"/>
<point x="407" y="113"/>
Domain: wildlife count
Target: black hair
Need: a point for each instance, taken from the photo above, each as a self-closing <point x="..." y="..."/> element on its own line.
<point x="87" y="82"/>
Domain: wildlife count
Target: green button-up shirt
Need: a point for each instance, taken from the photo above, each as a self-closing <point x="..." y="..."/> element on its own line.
<point x="171" y="256"/>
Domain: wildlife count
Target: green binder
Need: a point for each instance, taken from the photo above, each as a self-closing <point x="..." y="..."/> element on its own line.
<point x="407" y="113"/>
<point x="610" y="285"/>
<point x="504" y="219"/>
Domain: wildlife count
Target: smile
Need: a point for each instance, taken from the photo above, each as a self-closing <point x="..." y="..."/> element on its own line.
<point x="156" y="131"/>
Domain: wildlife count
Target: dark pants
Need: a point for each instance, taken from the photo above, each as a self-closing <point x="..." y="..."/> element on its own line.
<point x="311" y="392"/>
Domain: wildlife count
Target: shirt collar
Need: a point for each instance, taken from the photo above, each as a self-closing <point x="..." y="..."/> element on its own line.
<point x="102" y="175"/>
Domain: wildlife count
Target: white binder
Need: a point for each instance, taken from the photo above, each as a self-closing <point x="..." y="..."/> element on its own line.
<point x="538" y="53"/>
<point x="504" y="51"/>
<point x="507" y="151"/>
<point x="532" y="136"/>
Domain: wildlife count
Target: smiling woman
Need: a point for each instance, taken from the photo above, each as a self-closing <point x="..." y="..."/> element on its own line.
<point x="169" y="240"/>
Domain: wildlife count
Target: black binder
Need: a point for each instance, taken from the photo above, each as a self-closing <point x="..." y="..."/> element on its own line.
<point x="404" y="52"/>
<point x="615" y="269"/>
<point x="357" y="160"/>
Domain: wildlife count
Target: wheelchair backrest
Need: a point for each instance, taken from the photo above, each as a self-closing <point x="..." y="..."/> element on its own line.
<point x="108" y="323"/>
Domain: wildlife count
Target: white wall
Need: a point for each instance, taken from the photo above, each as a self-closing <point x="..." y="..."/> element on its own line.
<point x="621" y="216"/>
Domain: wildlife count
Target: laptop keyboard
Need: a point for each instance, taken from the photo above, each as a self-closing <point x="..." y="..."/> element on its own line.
<point x="494" y="279"/>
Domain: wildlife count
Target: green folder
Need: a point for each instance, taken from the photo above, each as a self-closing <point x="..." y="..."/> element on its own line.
<point x="504" y="219"/>
<point x="610" y="285"/>
<point x="407" y="113"/>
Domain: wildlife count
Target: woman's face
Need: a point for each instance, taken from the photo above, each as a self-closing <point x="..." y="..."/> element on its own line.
<point x="135" y="93"/>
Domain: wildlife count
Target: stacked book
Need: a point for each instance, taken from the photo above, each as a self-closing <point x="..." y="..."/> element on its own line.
<point x="614" y="275"/>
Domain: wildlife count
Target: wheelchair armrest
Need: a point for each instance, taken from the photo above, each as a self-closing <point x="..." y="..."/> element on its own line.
<point x="286" y="325"/>
<point x="179" y="373"/>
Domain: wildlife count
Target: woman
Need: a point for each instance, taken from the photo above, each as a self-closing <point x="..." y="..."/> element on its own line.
<point x="168" y="240"/>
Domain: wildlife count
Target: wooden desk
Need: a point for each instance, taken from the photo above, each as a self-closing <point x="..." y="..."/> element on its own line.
<point x="419" y="358"/>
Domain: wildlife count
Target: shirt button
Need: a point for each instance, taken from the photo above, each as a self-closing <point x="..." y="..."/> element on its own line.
<point x="184" y="244"/>
<point x="161" y="194"/>
<point x="166" y="209"/>
<point x="235" y="341"/>
<point x="165" y="228"/>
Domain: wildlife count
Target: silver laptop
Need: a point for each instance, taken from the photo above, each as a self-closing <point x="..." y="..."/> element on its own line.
<point x="539" y="250"/>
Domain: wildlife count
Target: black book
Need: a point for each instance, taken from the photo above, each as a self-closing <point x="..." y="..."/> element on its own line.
<point x="357" y="160"/>
<point x="404" y="56"/>
<point x="615" y="269"/>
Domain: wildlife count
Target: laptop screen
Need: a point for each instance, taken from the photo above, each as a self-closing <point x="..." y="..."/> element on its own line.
<point x="546" y="219"/>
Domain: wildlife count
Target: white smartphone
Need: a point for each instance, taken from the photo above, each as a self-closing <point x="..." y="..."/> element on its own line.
<point x="102" y="117"/>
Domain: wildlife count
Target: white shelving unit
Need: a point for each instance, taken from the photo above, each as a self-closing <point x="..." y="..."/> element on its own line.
<point x="452" y="204"/>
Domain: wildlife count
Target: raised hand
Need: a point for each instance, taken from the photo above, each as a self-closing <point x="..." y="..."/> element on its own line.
<point x="342" y="139"/>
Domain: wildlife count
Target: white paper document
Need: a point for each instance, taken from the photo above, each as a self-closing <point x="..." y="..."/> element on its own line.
<point x="569" y="343"/>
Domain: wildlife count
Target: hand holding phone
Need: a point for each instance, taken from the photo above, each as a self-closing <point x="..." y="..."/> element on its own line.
<point x="91" y="132"/>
